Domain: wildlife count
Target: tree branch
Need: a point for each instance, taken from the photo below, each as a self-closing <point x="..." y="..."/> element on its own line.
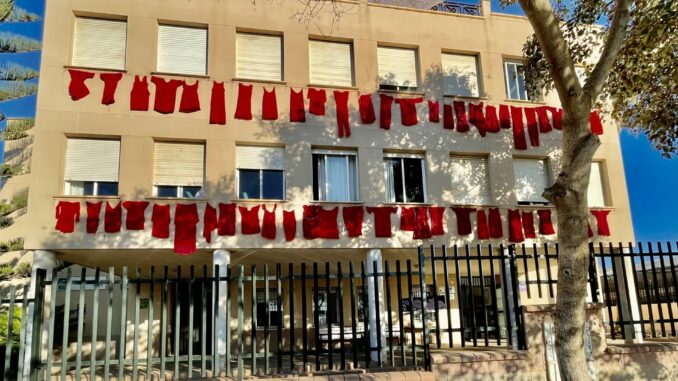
<point x="613" y="43"/>
<point x="554" y="46"/>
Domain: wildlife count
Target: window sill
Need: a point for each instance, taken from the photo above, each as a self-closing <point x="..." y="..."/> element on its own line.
<point x="181" y="199"/>
<point x="164" y="74"/>
<point x="465" y="97"/>
<point x="95" y="68"/>
<point x="402" y="92"/>
<point x="259" y="81"/>
<point x="408" y="203"/>
<point x="337" y="202"/>
<point x="72" y="197"/>
<point x="527" y="102"/>
<point x="317" y="85"/>
<point x="260" y="200"/>
<point x="475" y="205"/>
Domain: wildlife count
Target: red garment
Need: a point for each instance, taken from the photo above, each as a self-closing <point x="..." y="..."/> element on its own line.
<point x="67" y="214"/>
<point x="483" y="227"/>
<point x="382" y="220"/>
<point x="496" y="230"/>
<point x="310" y="221"/>
<point x="93" y="213"/>
<point x="353" y="220"/>
<point x="448" y="118"/>
<point x="434" y="111"/>
<point x="316" y="101"/>
<point x="504" y="116"/>
<point x="190" y="101"/>
<point x="165" y="94"/>
<point x="367" y="115"/>
<point x="249" y="220"/>
<point x="590" y="231"/>
<point x="532" y="128"/>
<point x="327" y="223"/>
<point x="601" y="221"/>
<point x="462" y="119"/>
<point x="519" y="141"/>
<point x="289" y="224"/>
<point x="243" y="109"/>
<point x="77" y="89"/>
<point x="218" y="104"/>
<point x="161" y="221"/>
<point x="341" y="103"/>
<point x="408" y="110"/>
<point x="545" y="224"/>
<point x="110" y="85"/>
<point x="407" y="222"/>
<point x="463" y="220"/>
<point x="185" y="221"/>
<point x="269" y="105"/>
<point x="113" y="218"/>
<point x="515" y="226"/>
<point x="226" y="222"/>
<point x="297" y="111"/>
<point x="437" y="214"/>
<point x="557" y="117"/>
<point x="544" y="122"/>
<point x="209" y="222"/>
<point x="596" y="123"/>
<point x="135" y="214"/>
<point x="385" y="111"/>
<point x="491" y="120"/>
<point x="528" y="225"/>
<point x="139" y="97"/>
<point x="476" y="116"/>
<point x="268" y="223"/>
<point x="422" y="229"/>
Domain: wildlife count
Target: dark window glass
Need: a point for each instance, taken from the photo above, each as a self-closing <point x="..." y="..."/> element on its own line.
<point x="88" y="188"/>
<point x="190" y="192"/>
<point x="316" y="193"/>
<point x="414" y="180"/>
<point x="108" y="189"/>
<point x="167" y="191"/>
<point x="273" y="187"/>
<point x="397" y="171"/>
<point x="249" y="184"/>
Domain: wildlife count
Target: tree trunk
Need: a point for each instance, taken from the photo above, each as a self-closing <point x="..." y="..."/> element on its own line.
<point x="569" y="195"/>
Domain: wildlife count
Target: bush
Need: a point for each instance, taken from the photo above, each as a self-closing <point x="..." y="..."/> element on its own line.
<point x="5" y="221"/>
<point x="6" y="271"/>
<point x="16" y="326"/>
<point x="20" y="199"/>
<point x="11" y="170"/>
<point x="23" y="270"/>
<point x="13" y="245"/>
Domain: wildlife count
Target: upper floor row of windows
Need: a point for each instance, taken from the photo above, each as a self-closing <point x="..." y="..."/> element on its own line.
<point x="92" y="167"/>
<point x="183" y="50"/>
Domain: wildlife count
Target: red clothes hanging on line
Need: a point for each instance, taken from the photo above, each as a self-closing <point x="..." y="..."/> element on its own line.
<point x="434" y="111"/>
<point x="407" y="221"/>
<point x="110" y="86"/>
<point x="543" y="116"/>
<point x="482" y="225"/>
<point x="462" y="119"/>
<point x="504" y="116"/>
<point x="316" y="101"/>
<point x="408" y="110"/>
<point x="528" y="224"/>
<point x="491" y="120"/>
<point x="515" y="226"/>
<point x="320" y="223"/>
<point x="249" y="220"/>
<point x="477" y="117"/>
<point x="77" y="89"/>
<point x="601" y="221"/>
<point x="437" y="214"/>
<point x="341" y="104"/>
<point x="161" y="221"/>
<point x="135" y="214"/>
<point x="448" y="117"/>
<point x="382" y="220"/>
<point x="353" y="220"/>
<point x="297" y="111"/>
<point x="557" y="117"/>
<point x="596" y="123"/>
<point x="67" y="215"/>
<point x="496" y="226"/>
<point x="268" y="228"/>
<point x="532" y="128"/>
<point x="385" y="111"/>
<point x="209" y="222"/>
<point x="185" y="221"/>
<point x="367" y="114"/>
<point x="463" y="220"/>
<point x="545" y="224"/>
<point x="93" y="213"/>
<point x="113" y="218"/>
<point x="244" y="107"/>
<point x="422" y="228"/>
<point x="269" y="105"/>
<point x="226" y="222"/>
<point x="519" y="141"/>
<point x="139" y="96"/>
<point x="218" y="104"/>
<point x="289" y="225"/>
<point x="190" y="101"/>
<point x="165" y="94"/>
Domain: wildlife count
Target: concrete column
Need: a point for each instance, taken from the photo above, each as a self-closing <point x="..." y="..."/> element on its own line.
<point x="46" y="260"/>
<point x="374" y="301"/>
<point x="222" y="258"/>
<point x="628" y="298"/>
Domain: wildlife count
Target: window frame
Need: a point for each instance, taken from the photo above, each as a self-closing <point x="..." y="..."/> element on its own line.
<point x="95" y="187"/>
<point x="180" y="191"/>
<point x="487" y="177"/>
<point x="479" y="82"/>
<point x="316" y="184"/>
<point x="180" y="187"/>
<point x="507" y="81"/>
<point x="391" y="192"/>
<point x="601" y="179"/>
<point x="398" y="88"/>
<point x="547" y="175"/>
<point x="261" y="183"/>
<point x="351" y="60"/>
<point x="280" y="36"/>
<point x="67" y="184"/>
<point x="272" y="297"/>
<point x="195" y="27"/>
<point x="111" y="18"/>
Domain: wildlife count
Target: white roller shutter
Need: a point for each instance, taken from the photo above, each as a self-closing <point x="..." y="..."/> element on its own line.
<point x="397" y="66"/>
<point x="596" y="195"/>
<point x="179" y="164"/>
<point x="531" y="178"/>
<point x="92" y="160"/>
<point x="258" y="57"/>
<point x="330" y="63"/>
<point x="260" y="158"/>
<point x="470" y="180"/>
<point x="182" y="50"/>
<point x="99" y="43"/>
<point x="460" y="75"/>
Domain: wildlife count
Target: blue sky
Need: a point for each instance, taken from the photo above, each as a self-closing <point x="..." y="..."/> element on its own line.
<point x="652" y="180"/>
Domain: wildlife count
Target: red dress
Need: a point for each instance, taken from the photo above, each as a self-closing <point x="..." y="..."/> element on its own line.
<point x="601" y="221"/>
<point x="515" y="226"/>
<point x="385" y="111"/>
<point x="93" y="213"/>
<point x="289" y="224"/>
<point x="448" y="117"/>
<point x="496" y="229"/>
<point x="316" y="101"/>
<point x="218" y="104"/>
<point x="491" y="120"/>
<point x="341" y="103"/>
<point x="249" y="220"/>
<point x="408" y="110"/>
<point x="190" y="101"/>
<point x="434" y="111"/>
<point x="463" y="220"/>
<point x="226" y="222"/>
<point x="113" y="218"/>
<point x="209" y="222"/>
<point x="268" y="228"/>
<point x="244" y="107"/>
<point x="545" y="224"/>
<point x="161" y="221"/>
<point x="483" y="227"/>
<point x="185" y="221"/>
<point x="477" y="117"/>
<point x="519" y="141"/>
<point x="297" y="111"/>
<point x="353" y="220"/>
<point x="532" y="128"/>
<point x="139" y="97"/>
<point x="269" y="107"/>
<point x="528" y="224"/>
<point x="462" y="119"/>
<point x="437" y="214"/>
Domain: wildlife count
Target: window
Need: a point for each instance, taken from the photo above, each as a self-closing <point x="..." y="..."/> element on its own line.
<point x="259" y="57"/>
<point x="261" y="172"/>
<point x="460" y="75"/>
<point x="596" y="194"/>
<point x="397" y="68"/>
<point x="268" y="314"/>
<point x="331" y="63"/>
<point x="178" y="169"/>
<point x="335" y="175"/>
<point x="99" y="43"/>
<point x="515" y="81"/>
<point x="405" y="179"/>
<point x="531" y="179"/>
<point x="328" y="305"/>
<point x="92" y="167"/>
<point x="470" y="180"/>
<point x="182" y="50"/>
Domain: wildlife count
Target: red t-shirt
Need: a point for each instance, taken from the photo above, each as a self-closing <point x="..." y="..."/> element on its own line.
<point x="67" y="214"/>
<point x="165" y="94"/>
<point x="185" y="221"/>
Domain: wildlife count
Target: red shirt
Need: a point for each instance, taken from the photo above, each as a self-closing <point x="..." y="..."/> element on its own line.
<point x="67" y="214"/>
<point x="135" y="214"/>
<point x="185" y="221"/>
<point x="165" y="94"/>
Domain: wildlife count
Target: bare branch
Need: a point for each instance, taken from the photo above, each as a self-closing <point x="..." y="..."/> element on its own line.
<point x="615" y="39"/>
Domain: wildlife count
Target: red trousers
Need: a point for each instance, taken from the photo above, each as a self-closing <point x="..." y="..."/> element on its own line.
<point x="341" y="103"/>
<point x="110" y="86"/>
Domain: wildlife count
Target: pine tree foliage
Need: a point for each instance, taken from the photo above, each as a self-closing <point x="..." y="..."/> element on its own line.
<point x="14" y="72"/>
<point x="21" y="15"/>
<point x="6" y="9"/>
<point x="13" y="43"/>
<point x="16" y="89"/>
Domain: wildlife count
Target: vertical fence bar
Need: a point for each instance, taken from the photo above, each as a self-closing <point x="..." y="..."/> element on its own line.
<point x="64" y="334"/>
<point x="354" y="341"/>
<point x="448" y="307"/>
<point x="469" y="274"/>
<point x="227" y="316"/>
<point x="486" y="327"/>
<point x="38" y="321"/>
<point x="413" y="332"/>
<point x="23" y="328"/>
<point x="135" y="349"/>
<point x="673" y="271"/>
<point x="424" y="321"/>
<point x="658" y="296"/>
<point x="368" y="342"/>
<point x="81" y="324"/>
<point x="163" y="322"/>
<point x="316" y="317"/>
<point x="109" y="321"/>
<point x="342" y="343"/>
<point x="635" y="283"/>
<point x="493" y="294"/>
<point x="292" y="338"/>
<point x="626" y="295"/>
<point x="401" y="315"/>
<point x="278" y="295"/>
<point x="593" y="277"/>
<point x="217" y="318"/>
<point x="267" y="310"/>
<point x="253" y="325"/>
<point x="177" y="322"/>
<point x="667" y="295"/>
<point x="506" y="293"/>
<point x="455" y="251"/>
<point x="535" y="254"/>
<point x="304" y="325"/>
<point x="516" y="300"/>
<point x="608" y="299"/>
<point x="549" y="275"/>
<point x="375" y="279"/>
<point x="10" y="332"/>
<point x="95" y="326"/>
<point x="191" y="309"/>
<point x="149" y="319"/>
<point x="648" y="293"/>
<point x="526" y="269"/>
<point x="241" y="321"/>
<point x="389" y="317"/>
<point x="122" y="338"/>
<point x="436" y="309"/>
<point x="203" y="325"/>
<point x="54" y="287"/>
<point x="328" y="315"/>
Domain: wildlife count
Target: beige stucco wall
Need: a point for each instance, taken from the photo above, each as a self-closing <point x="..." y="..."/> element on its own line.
<point x="493" y="37"/>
